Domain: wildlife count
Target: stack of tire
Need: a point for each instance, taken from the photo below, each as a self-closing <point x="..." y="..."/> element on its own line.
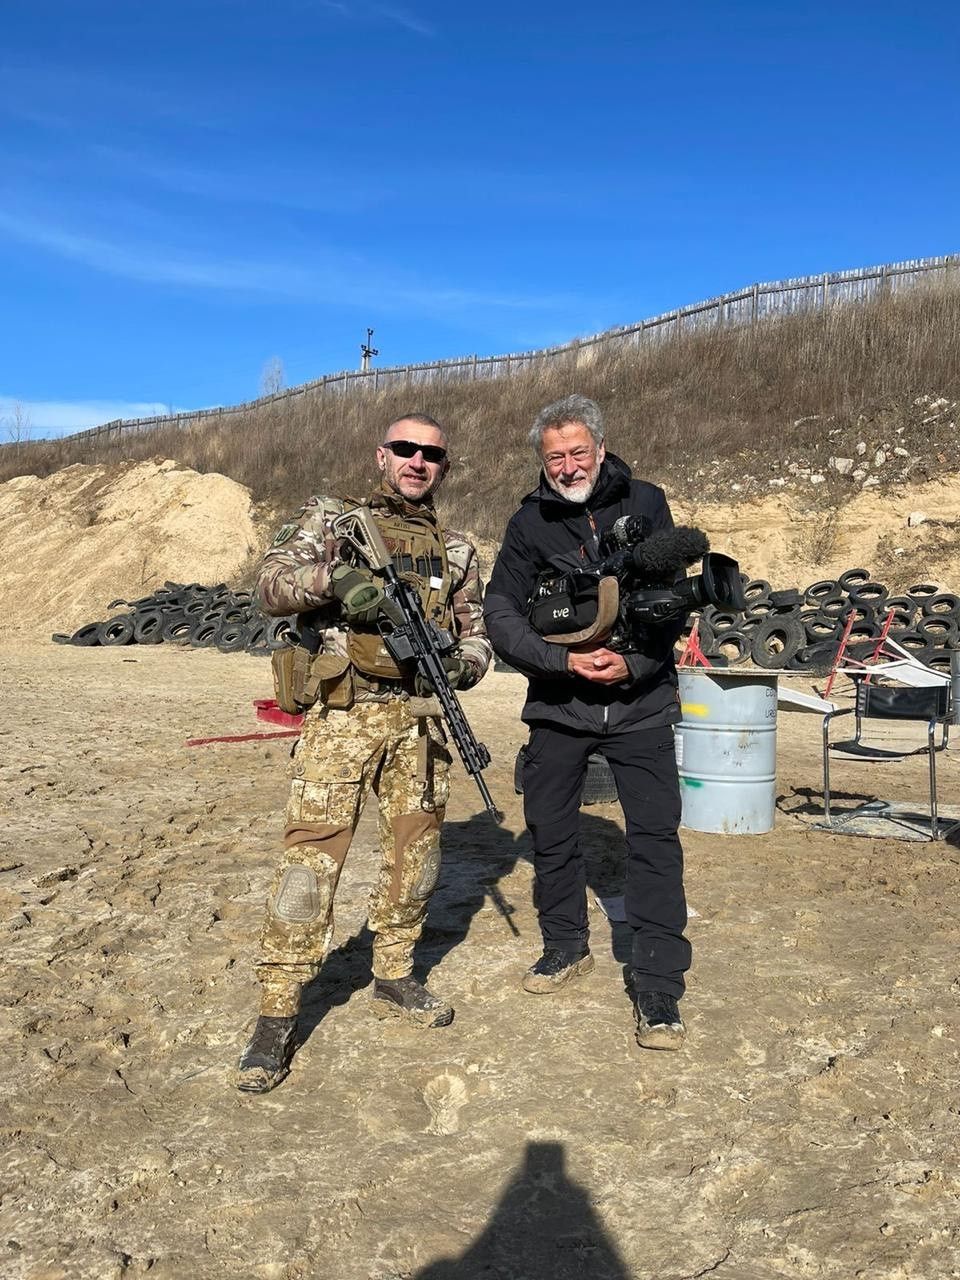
<point x="801" y="630"/>
<point x="187" y="614"/>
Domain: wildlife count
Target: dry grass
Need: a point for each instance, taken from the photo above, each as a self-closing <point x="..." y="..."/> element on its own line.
<point x="696" y="413"/>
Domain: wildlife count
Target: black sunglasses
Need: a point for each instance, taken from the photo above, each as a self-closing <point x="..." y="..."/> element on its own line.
<point x="407" y="448"/>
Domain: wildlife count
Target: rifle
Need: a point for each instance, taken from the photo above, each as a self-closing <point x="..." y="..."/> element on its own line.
<point x="411" y="638"/>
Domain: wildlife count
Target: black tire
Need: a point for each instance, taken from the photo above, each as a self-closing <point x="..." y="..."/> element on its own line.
<point x="148" y="627"/>
<point x="820" y="628"/>
<point x="758" y="608"/>
<point x="818" y="591"/>
<point x="815" y="659"/>
<point x="755" y="590"/>
<point x="833" y="606"/>
<point x="873" y="594"/>
<point x="257" y="635"/>
<point x="277" y="631"/>
<point x="939" y="660"/>
<point x="194" y="606"/>
<point x="791" y="599"/>
<point x="922" y="591"/>
<point x="853" y="578"/>
<point x="233" y="637"/>
<point x="211" y="615"/>
<point x="900" y="602"/>
<point x="732" y="645"/>
<point x="750" y="621"/>
<point x="116" y="604"/>
<point x="861" y="650"/>
<point x="599" y="786"/>
<point x="116" y="631"/>
<point x="901" y="620"/>
<point x="914" y="643"/>
<point x="864" y="630"/>
<point x="235" y="614"/>
<point x="776" y="641"/>
<point x="860" y="613"/>
<point x="87" y="635"/>
<point x="723" y="620"/>
<point x="203" y="635"/>
<point x="938" y="628"/>
<point x="943" y="604"/>
<point x="60" y="637"/>
<point x="176" y="630"/>
<point x="705" y="633"/>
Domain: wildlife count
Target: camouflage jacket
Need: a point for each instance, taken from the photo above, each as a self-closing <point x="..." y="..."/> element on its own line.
<point x="295" y="574"/>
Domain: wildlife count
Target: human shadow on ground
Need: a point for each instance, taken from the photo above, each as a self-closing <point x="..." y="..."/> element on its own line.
<point x="477" y="855"/>
<point x="544" y="1228"/>
<point x="345" y="971"/>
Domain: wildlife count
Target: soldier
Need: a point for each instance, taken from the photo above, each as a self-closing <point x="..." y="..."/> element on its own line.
<point x="371" y="726"/>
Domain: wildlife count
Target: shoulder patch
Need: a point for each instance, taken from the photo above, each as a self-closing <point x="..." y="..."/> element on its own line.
<point x="285" y="533"/>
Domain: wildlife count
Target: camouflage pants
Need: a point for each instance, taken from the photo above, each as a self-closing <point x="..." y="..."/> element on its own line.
<point x="338" y="758"/>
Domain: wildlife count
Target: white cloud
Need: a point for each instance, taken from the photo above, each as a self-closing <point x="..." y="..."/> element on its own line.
<point x="403" y="18"/>
<point x="42" y="419"/>
<point x="391" y="13"/>
<point x="336" y="278"/>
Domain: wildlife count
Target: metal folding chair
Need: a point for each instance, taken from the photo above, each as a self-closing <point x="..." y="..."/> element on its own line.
<point x="883" y="702"/>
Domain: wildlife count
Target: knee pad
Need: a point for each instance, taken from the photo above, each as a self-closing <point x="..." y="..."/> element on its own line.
<point x="298" y="898"/>
<point x="429" y="875"/>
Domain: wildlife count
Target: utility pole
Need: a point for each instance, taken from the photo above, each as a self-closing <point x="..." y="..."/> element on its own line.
<point x="366" y="351"/>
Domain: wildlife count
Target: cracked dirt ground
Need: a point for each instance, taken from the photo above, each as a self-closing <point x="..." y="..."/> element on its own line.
<point x="808" y="1129"/>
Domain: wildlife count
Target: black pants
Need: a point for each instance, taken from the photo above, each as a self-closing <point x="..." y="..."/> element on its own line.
<point x="645" y="769"/>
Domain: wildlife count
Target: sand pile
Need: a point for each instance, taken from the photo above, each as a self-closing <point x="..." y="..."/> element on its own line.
<point x="791" y="542"/>
<point x="73" y="541"/>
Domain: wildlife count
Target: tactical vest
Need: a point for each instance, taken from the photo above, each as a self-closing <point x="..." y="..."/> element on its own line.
<point x="419" y="554"/>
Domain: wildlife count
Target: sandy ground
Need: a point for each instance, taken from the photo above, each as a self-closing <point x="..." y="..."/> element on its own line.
<point x="809" y="1128"/>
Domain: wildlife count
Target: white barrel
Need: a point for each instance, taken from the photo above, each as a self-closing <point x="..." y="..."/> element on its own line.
<point x="727" y="750"/>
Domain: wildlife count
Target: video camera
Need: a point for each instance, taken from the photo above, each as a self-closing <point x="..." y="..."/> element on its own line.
<point x="637" y="582"/>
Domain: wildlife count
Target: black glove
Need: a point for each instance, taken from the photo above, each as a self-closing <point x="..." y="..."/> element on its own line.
<point x="359" y="594"/>
<point x="459" y="672"/>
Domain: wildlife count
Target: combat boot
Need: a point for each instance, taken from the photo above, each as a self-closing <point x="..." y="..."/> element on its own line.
<point x="266" y="1059"/>
<point x="409" y="1000"/>
<point x="554" y="969"/>
<point x="659" y="1025"/>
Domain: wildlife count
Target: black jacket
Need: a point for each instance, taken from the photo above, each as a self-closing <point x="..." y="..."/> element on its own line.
<point x="547" y="526"/>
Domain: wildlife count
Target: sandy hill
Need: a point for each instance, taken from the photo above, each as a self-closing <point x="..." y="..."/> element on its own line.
<point x="73" y="541"/>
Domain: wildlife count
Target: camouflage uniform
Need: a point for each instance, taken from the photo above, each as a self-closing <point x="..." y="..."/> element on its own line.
<point x="383" y="741"/>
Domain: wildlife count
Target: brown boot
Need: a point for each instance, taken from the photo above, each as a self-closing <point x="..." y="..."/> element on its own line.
<point x="266" y="1059"/>
<point x="409" y="1000"/>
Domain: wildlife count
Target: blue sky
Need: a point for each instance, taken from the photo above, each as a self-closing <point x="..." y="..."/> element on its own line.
<point x="188" y="190"/>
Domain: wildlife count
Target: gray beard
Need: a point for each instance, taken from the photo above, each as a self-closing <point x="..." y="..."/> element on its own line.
<point x="578" y="493"/>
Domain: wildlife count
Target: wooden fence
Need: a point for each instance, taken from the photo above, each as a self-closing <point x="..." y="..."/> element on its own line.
<point x="746" y="306"/>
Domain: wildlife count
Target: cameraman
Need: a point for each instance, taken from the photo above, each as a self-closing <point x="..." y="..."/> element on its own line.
<point x="620" y="704"/>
